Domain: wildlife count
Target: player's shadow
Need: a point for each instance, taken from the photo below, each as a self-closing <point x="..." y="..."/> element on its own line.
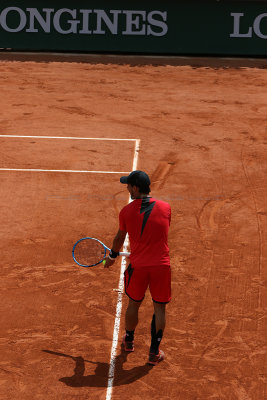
<point x="100" y="376"/>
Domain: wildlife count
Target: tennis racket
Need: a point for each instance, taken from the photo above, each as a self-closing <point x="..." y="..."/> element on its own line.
<point x="88" y="252"/>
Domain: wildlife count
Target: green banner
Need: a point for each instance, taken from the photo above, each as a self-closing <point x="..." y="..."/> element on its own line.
<point x="197" y="27"/>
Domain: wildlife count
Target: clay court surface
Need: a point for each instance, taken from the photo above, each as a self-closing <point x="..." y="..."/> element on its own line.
<point x="203" y="141"/>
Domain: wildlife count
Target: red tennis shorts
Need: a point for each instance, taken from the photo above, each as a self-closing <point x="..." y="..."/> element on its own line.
<point x="157" y="278"/>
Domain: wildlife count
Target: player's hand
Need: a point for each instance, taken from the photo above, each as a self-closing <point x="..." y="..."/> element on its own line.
<point x="108" y="262"/>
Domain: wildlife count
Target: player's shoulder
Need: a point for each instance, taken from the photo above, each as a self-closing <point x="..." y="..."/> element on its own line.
<point x="161" y="203"/>
<point x="136" y="204"/>
<point x="128" y="207"/>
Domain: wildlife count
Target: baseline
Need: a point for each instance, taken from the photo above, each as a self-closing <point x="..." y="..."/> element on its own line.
<point x="69" y="138"/>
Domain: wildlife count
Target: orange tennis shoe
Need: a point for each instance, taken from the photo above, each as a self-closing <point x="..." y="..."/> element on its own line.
<point x="154" y="359"/>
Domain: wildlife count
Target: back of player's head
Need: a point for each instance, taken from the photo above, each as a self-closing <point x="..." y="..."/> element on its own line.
<point x="139" y="179"/>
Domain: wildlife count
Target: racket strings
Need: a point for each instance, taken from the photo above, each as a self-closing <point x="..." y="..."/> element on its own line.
<point x="89" y="252"/>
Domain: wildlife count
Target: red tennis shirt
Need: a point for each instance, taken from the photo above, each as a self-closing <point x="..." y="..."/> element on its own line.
<point x="147" y="222"/>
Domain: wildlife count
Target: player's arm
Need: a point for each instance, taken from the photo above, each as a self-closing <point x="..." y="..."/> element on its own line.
<point x="116" y="246"/>
<point x="118" y="241"/>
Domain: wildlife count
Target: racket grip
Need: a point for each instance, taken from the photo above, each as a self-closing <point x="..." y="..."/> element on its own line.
<point x="124" y="253"/>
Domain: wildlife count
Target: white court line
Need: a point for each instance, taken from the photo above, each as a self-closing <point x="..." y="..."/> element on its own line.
<point x="62" y="170"/>
<point x="66" y="170"/>
<point x="68" y="138"/>
<point x="120" y="294"/>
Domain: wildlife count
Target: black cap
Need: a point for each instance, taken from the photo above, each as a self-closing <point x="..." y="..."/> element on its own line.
<point x="139" y="179"/>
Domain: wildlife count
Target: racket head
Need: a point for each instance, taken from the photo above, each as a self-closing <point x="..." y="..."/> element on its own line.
<point x="88" y="252"/>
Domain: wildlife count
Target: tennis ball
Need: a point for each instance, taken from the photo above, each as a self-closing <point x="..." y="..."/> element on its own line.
<point x="104" y="262"/>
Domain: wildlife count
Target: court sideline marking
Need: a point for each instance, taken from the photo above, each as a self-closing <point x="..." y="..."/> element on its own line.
<point x="120" y="295"/>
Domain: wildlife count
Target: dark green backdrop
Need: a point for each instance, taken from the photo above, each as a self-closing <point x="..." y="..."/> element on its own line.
<point x="159" y="27"/>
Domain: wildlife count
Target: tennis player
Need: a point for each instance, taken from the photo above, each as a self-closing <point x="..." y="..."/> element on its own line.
<point x="147" y="221"/>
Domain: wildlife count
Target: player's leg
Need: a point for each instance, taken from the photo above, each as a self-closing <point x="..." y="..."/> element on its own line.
<point x="131" y="321"/>
<point x="136" y="282"/>
<point x="131" y="315"/>
<point x="160" y="288"/>
<point x="157" y="326"/>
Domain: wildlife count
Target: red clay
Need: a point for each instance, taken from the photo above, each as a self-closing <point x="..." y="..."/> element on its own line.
<point x="203" y="142"/>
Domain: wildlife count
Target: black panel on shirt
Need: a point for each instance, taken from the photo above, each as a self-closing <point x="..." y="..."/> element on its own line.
<point x="146" y="208"/>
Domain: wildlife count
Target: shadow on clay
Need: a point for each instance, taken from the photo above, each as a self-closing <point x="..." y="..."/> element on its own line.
<point x="100" y="376"/>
